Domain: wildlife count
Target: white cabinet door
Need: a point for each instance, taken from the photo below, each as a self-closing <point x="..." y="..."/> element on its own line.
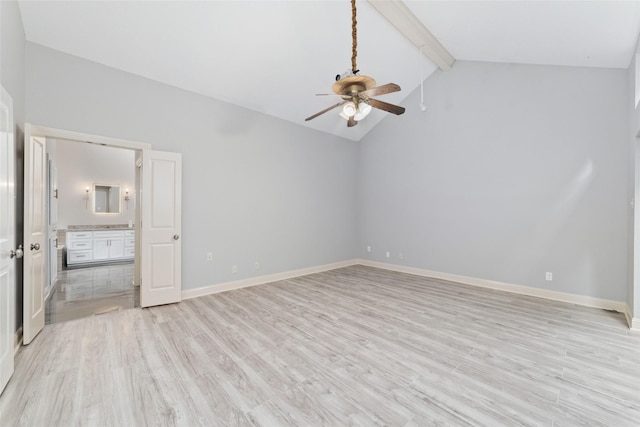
<point x="116" y="248"/>
<point x="100" y="249"/>
<point x="108" y="245"/>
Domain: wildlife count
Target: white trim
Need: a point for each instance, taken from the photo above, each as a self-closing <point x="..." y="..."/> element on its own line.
<point x="86" y="137"/>
<point x="401" y="17"/>
<point x="584" y="300"/>
<point x="634" y="322"/>
<point x="261" y="280"/>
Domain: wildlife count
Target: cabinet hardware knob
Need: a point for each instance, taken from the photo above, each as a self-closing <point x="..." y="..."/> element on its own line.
<point x="35" y="246"/>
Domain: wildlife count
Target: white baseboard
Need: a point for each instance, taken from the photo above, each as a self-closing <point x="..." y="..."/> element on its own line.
<point x="634" y="322"/>
<point x="606" y="304"/>
<point x="261" y="280"/>
<point x="619" y="306"/>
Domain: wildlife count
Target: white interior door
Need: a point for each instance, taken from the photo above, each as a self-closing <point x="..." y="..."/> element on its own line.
<point x="52" y="197"/>
<point x="7" y="238"/>
<point x="161" y="254"/>
<point x="35" y="234"/>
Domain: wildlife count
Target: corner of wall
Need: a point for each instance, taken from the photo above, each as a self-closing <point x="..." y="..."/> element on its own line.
<point x="633" y="264"/>
<point x="565" y="297"/>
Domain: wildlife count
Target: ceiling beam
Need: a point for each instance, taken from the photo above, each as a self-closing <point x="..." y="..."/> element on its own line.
<point x="399" y="15"/>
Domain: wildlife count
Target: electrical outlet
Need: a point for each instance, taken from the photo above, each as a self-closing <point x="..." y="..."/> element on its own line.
<point x="234" y="268"/>
<point x="368" y="248"/>
<point x="256" y="265"/>
<point x="388" y="254"/>
<point x="209" y="256"/>
<point x="549" y="276"/>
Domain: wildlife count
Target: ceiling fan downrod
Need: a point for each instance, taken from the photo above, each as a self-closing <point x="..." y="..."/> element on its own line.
<point x="354" y="38"/>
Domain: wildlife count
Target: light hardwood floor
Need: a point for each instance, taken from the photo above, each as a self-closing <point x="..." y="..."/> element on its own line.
<point x="353" y="346"/>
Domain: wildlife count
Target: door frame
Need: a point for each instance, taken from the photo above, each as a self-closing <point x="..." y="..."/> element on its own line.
<point x="47" y="132"/>
<point x="141" y="148"/>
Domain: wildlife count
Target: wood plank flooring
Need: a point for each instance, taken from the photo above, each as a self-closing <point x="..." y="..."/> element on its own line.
<point x="353" y="346"/>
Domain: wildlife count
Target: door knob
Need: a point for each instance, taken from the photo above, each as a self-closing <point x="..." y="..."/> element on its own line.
<point x="17" y="253"/>
<point x="35" y="246"/>
<point x="176" y="237"/>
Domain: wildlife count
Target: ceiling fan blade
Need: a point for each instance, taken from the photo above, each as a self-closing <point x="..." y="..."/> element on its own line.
<point x="346" y="97"/>
<point x="352" y="122"/>
<point x="381" y="105"/>
<point x="325" y="110"/>
<point x="381" y="90"/>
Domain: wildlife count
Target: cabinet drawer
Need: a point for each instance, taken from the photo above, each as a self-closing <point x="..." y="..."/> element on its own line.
<point x="72" y="235"/>
<point x="74" y="257"/>
<point x="130" y="241"/>
<point x="80" y="244"/>
<point x="129" y="233"/>
<point x="107" y="234"/>
<point x="129" y="252"/>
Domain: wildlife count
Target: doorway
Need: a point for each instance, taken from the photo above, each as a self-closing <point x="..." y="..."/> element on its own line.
<point x="158" y="245"/>
<point x="91" y="206"/>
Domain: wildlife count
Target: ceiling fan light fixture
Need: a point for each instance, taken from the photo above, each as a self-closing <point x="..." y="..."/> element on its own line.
<point x="363" y="111"/>
<point x="349" y="110"/>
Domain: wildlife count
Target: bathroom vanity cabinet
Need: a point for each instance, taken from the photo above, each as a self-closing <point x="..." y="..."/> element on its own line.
<point x="99" y="246"/>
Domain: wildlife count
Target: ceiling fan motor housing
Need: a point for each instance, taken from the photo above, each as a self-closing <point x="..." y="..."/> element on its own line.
<point x="352" y="85"/>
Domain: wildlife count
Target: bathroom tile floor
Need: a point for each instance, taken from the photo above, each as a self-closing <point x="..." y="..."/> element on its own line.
<point x="84" y="292"/>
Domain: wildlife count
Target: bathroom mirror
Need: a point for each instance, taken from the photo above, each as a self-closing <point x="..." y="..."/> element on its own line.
<point x="106" y="199"/>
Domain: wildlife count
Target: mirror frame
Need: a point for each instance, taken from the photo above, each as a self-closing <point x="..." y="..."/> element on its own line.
<point x="95" y="199"/>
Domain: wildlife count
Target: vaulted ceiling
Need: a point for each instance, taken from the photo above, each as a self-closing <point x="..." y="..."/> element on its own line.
<point x="273" y="56"/>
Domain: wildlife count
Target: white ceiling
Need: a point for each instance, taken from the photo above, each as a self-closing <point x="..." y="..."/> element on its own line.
<point x="273" y="56"/>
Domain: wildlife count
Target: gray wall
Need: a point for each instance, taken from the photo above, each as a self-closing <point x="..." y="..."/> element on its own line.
<point x="633" y="287"/>
<point x="82" y="165"/>
<point x="514" y="171"/>
<point x="12" y="77"/>
<point x="255" y="188"/>
<point x="12" y="58"/>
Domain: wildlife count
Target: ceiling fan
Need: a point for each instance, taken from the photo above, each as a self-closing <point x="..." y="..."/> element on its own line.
<point x="357" y="91"/>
